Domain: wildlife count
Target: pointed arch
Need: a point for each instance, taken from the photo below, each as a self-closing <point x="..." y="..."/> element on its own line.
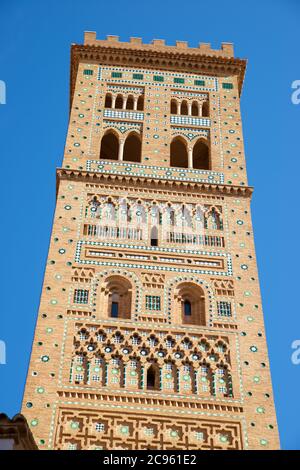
<point x="132" y="148"/>
<point x="109" y="146"/>
<point x="201" y="160"/>
<point x="178" y="153"/>
<point x="153" y="377"/>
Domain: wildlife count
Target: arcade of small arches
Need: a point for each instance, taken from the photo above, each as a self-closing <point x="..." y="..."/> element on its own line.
<point x="189" y="107"/>
<point x="183" y="154"/>
<point x="152" y="362"/>
<point x="138" y="212"/>
<point x="120" y="101"/>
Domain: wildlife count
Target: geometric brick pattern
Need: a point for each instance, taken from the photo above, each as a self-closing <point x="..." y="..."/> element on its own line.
<point x="92" y="430"/>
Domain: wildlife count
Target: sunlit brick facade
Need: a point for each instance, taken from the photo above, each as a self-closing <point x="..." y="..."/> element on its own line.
<point x="150" y="331"/>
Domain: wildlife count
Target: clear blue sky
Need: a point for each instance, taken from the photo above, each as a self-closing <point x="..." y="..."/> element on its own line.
<point x="35" y="38"/>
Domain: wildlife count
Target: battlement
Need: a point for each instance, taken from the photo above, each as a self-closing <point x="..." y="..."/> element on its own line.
<point x="159" y="45"/>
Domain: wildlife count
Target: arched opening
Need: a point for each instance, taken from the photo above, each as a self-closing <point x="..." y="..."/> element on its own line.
<point x="153" y="377"/>
<point x="178" y="153"/>
<point x="140" y="103"/>
<point x="154" y="236"/>
<point x="195" y="109"/>
<point x="119" y="102"/>
<point x="184" y="108"/>
<point x="173" y="107"/>
<point x="201" y="156"/>
<point x="132" y="148"/>
<point x="130" y="102"/>
<point x="172" y="218"/>
<point x="205" y="109"/>
<point x="116" y="297"/>
<point x="109" y="147"/>
<point x="213" y="220"/>
<point x="108" y="101"/>
<point x="190" y="304"/>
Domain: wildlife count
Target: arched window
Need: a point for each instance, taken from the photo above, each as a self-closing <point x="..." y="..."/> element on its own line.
<point x="213" y="220"/>
<point x="201" y="156"/>
<point x="184" y="108"/>
<point x="190" y="304"/>
<point x="205" y="109"/>
<point x="173" y="107"/>
<point x="153" y="378"/>
<point x="119" y="102"/>
<point x="186" y="217"/>
<point x="132" y="148"/>
<point x="116" y="297"/>
<point x="108" y="101"/>
<point x="130" y="102"/>
<point x="172" y="217"/>
<point x="109" y="212"/>
<point x="195" y="109"/>
<point x="178" y="153"/>
<point x="109" y="146"/>
<point x="140" y="103"/>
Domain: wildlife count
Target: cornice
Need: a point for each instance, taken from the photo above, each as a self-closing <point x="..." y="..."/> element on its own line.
<point x="207" y="188"/>
<point x="186" y="60"/>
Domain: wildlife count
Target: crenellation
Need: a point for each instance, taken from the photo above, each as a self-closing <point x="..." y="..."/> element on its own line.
<point x="226" y="49"/>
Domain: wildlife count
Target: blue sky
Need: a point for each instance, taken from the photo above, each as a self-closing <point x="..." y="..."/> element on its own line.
<point x="35" y="38"/>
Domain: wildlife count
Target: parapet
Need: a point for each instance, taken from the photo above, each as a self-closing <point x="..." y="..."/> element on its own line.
<point x="226" y="50"/>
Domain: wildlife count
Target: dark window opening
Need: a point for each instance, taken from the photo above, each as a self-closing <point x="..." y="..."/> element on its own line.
<point x="187" y="308"/>
<point x="114" y="309"/>
<point x="151" y="376"/>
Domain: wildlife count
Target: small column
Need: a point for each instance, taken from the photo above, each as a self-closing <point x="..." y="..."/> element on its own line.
<point x="124" y="102"/>
<point x="190" y="157"/>
<point x="135" y="102"/>
<point x="189" y="108"/>
<point x="121" y="149"/>
<point x="200" y="109"/>
<point x="113" y="102"/>
<point x="178" y="107"/>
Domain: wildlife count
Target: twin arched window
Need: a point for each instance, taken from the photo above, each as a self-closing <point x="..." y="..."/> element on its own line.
<point x="112" y="148"/>
<point x="198" y="157"/>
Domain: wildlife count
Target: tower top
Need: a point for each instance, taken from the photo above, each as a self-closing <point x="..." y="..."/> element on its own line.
<point x="157" y="55"/>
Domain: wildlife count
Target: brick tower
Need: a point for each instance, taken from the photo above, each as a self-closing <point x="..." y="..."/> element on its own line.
<point x="150" y="331"/>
